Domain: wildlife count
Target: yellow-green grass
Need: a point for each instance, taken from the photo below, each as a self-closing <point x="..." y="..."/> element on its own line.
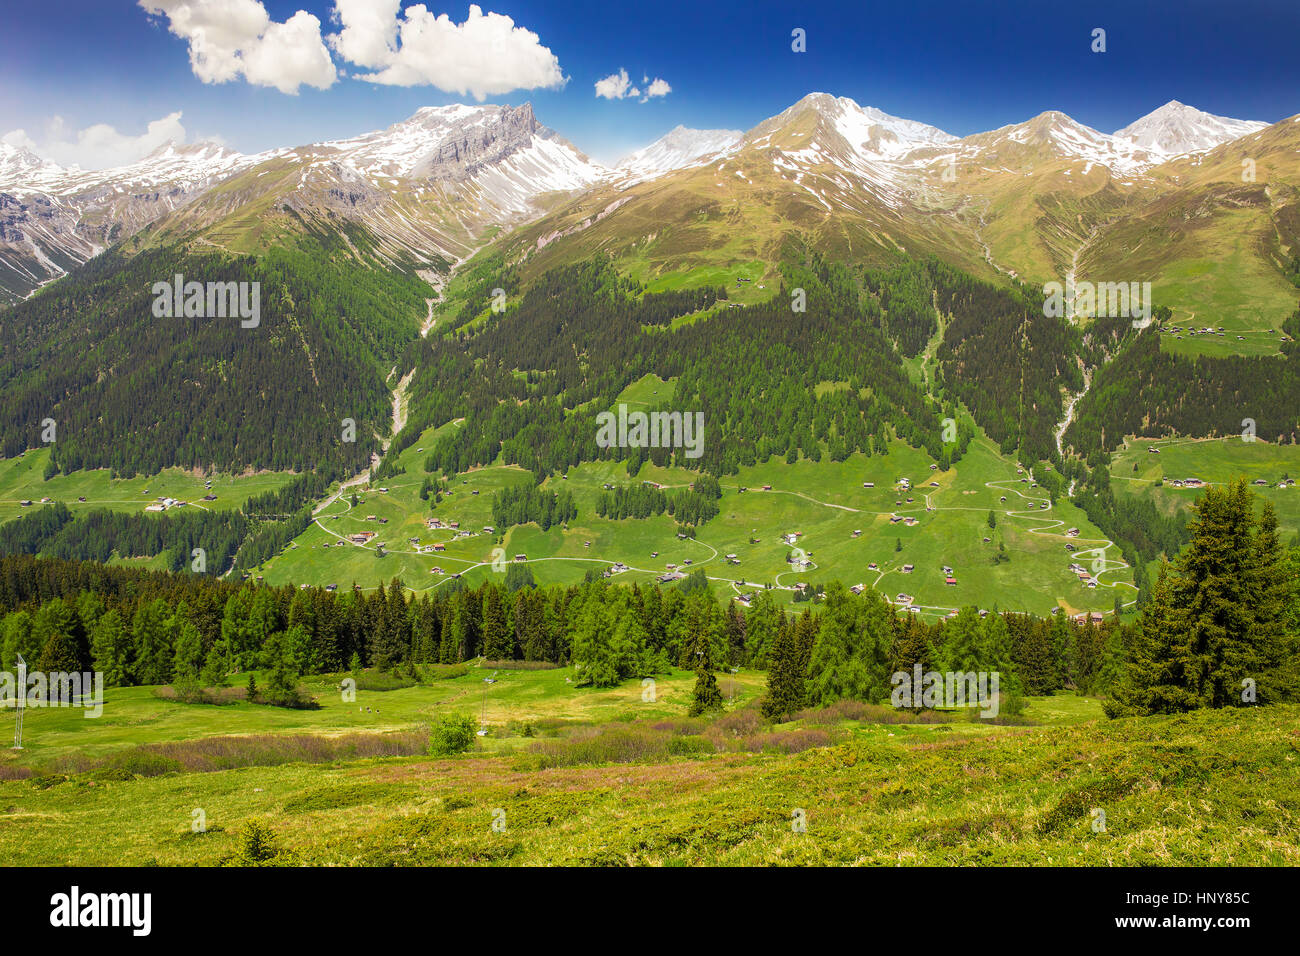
<point x="826" y="501"/>
<point x="22" y="478"/>
<point x="133" y="716"/>
<point x="649" y="390"/>
<point x="741" y="278"/>
<point x="1211" y="788"/>
<point x="1214" y="460"/>
<point x="1231" y="286"/>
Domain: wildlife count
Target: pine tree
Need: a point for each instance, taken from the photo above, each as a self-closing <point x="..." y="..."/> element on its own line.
<point x="56" y="629"/>
<point x="282" y="677"/>
<point x="1217" y="621"/>
<point x="786" y="684"/>
<point x="153" y="648"/>
<point x="497" y="642"/>
<point x="850" y="658"/>
<point x="214" y="667"/>
<point x="911" y="645"/>
<point x="707" y="697"/>
<point x="959" y="651"/>
<point x="187" y="660"/>
<point x="593" y="651"/>
<point x="1152" y="680"/>
<point x="111" y="649"/>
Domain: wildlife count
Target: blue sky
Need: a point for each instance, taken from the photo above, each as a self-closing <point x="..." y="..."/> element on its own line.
<point x="962" y="66"/>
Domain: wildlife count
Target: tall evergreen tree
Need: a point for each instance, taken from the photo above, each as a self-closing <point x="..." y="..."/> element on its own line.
<point x="786" y="683"/>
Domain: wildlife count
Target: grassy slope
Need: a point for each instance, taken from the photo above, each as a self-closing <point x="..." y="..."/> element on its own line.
<point x="825" y="501"/>
<point x="22" y="479"/>
<point x="887" y="794"/>
<point x="1216" y="461"/>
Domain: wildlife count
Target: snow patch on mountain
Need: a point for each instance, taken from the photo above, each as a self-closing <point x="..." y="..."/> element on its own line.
<point x="679" y="148"/>
<point x="1176" y="129"/>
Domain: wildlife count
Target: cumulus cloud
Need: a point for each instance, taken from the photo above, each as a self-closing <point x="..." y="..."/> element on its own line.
<point x="99" y="146"/>
<point x="232" y="38"/>
<point x="369" y="34"/>
<point x="615" y="86"/>
<point x="485" y="56"/>
<point x="618" y="86"/>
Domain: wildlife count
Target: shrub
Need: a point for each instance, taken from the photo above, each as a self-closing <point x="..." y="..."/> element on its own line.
<point x="609" y="745"/>
<point x="257" y="847"/>
<point x="521" y="665"/>
<point x="444" y="671"/>
<point x="145" y="763"/>
<point x="379" y="681"/>
<point x="689" y="744"/>
<point x="738" y="723"/>
<point x="256" y="750"/>
<point x="451" y="734"/>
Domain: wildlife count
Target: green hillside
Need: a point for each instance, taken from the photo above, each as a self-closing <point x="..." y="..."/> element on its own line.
<point x="702" y="793"/>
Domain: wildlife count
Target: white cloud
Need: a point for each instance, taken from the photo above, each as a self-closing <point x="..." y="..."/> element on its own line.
<point x="618" y="86"/>
<point x="484" y="56"/>
<point x="369" y="35"/>
<point x="614" y="86"/>
<point x="233" y="38"/>
<point x="99" y="146"/>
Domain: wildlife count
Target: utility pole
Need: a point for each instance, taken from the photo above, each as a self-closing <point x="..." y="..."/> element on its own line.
<point x="21" y="703"/>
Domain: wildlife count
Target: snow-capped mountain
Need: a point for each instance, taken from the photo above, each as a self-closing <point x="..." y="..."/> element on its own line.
<point x="860" y="153"/>
<point x="1176" y="129"/>
<point x="431" y="182"/>
<point x="678" y="148"/>
<point x="54" y="218"/>
<point x="17" y="164"/>
<point x="1171" y="132"/>
<point x="170" y="166"/>
<point x="429" y="187"/>
<point x="510" y="156"/>
<point x="1052" y="136"/>
<point x="869" y="134"/>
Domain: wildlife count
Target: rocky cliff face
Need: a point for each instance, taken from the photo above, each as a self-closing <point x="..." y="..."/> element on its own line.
<point x="469" y="146"/>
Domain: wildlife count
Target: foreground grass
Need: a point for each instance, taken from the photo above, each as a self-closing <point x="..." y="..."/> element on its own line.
<point x="1203" y="789"/>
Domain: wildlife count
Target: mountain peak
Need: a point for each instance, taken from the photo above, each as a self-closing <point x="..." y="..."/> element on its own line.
<point x="678" y="148"/>
<point x="1177" y="129"/>
<point x="870" y="133"/>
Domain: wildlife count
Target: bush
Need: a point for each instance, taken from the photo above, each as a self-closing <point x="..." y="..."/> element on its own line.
<point x="451" y="734"/>
<point x="209" y="754"/>
<point x="443" y="671"/>
<point x="590" y="745"/>
<point x="689" y="745"/>
<point x="379" y="681"/>
<point x="146" y="764"/>
<point x="257" y="847"/>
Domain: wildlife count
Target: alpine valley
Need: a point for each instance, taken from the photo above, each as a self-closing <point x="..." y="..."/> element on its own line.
<point x="853" y="302"/>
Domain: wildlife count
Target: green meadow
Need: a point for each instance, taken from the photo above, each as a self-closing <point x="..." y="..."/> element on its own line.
<point x="619" y="776"/>
<point x="23" y="478"/>
<point x="825" y="504"/>
<point x="1213" y="460"/>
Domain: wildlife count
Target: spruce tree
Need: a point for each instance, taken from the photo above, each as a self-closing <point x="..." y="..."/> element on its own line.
<point x="1216" y="622"/>
<point x="786" y="683"/>
<point x="497" y="640"/>
<point x="706" y="697"/>
<point x="1151" y="679"/>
